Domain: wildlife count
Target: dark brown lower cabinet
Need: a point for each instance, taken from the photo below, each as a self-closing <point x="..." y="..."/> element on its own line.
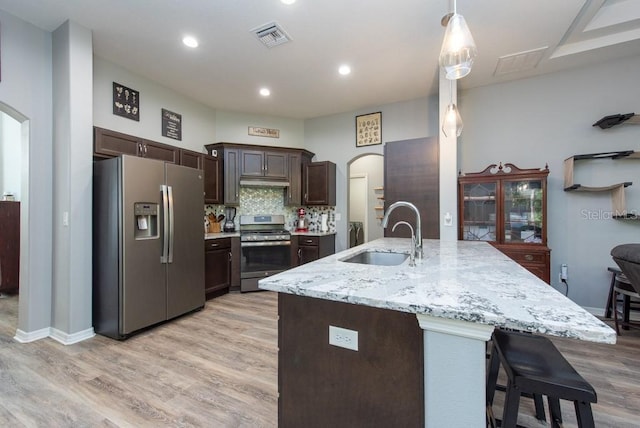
<point x="217" y="265"/>
<point x="321" y="385"/>
<point x="9" y="246"/>
<point x="312" y="248"/>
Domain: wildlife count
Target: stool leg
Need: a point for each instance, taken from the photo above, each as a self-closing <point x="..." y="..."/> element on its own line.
<point x="615" y="312"/>
<point x="492" y="376"/>
<point x="610" y="300"/>
<point x="584" y="414"/>
<point x="511" y="405"/>
<point x="537" y="400"/>
<point x="626" y="309"/>
<point x="554" y="412"/>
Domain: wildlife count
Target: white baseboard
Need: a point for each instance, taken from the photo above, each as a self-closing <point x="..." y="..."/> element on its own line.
<point x="70" y="339"/>
<point x="55" y="334"/>
<point x="31" y="336"/>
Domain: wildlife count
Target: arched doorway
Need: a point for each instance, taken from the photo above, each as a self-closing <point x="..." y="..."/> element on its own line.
<point x="365" y="198"/>
<point x="14" y="149"/>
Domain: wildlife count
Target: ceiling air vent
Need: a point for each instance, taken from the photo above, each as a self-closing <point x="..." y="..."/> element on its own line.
<point x="271" y="34"/>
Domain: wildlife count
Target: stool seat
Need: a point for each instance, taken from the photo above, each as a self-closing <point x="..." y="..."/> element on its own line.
<point x="535" y="366"/>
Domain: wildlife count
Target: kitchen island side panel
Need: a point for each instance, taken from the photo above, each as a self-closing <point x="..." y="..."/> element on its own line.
<point x="321" y="385"/>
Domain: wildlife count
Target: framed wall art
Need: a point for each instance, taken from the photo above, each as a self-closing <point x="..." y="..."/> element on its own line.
<point x="171" y="125"/>
<point x="126" y="102"/>
<point x="369" y="129"/>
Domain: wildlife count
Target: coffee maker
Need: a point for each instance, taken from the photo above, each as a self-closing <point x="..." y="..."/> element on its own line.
<point x="229" y="215"/>
<point x="302" y="224"/>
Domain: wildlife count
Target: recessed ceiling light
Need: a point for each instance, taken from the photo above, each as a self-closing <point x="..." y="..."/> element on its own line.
<point x="288" y="1"/>
<point x="344" y="69"/>
<point x="265" y="92"/>
<point x="190" y="41"/>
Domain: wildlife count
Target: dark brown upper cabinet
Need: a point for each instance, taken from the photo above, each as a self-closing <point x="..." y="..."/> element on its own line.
<point x="107" y="143"/>
<point x="264" y="164"/>
<point x="319" y="183"/>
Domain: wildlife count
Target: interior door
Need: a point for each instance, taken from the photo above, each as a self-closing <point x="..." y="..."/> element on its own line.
<point x="185" y="273"/>
<point x="412" y="174"/>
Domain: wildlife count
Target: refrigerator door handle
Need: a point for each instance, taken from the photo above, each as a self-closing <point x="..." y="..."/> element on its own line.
<point x="171" y="228"/>
<point x="165" y="229"/>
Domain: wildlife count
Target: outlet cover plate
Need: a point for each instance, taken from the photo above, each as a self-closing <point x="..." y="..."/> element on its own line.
<point x="344" y="338"/>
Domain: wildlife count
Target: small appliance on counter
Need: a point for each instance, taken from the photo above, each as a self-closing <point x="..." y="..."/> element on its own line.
<point x="229" y="215"/>
<point x="302" y="224"/>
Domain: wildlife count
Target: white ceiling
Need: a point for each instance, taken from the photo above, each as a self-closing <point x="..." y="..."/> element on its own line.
<point x="392" y="46"/>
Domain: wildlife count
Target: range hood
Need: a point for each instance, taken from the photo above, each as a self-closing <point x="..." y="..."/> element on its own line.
<point x="263" y="183"/>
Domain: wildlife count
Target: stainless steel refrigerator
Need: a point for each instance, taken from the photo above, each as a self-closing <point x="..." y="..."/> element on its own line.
<point x="148" y="243"/>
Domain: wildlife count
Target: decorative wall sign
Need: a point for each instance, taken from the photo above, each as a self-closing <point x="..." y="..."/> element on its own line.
<point x="264" y="132"/>
<point x="171" y="125"/>
<point x="126" y="102"/>
<point x="369" y="129"/>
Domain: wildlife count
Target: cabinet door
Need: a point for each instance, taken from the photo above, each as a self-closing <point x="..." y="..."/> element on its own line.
<point x="212" y="180"/>
<point x="191" y="159"/>
<point x="9" y="245"/>
<point x="159" y="151"/>
<point x="251" y="163"/>
<point x="231" y="177"/>
<point x="217" y="267"/>
<point x="320" y="183"/>
<point x="276" y="165"/>
<point x="307" y="253"/>
<point x="108" y="143"/>
<point x="523" y="211"/>
<point x="294" y="193"/>
<point x="479" y="208"/>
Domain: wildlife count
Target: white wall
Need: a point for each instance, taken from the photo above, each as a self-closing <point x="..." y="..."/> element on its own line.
<point x="10" y="155"/>
<point x="198" y="121"/>
<point x="333" y="138"/>
<point x="549" y="118"/>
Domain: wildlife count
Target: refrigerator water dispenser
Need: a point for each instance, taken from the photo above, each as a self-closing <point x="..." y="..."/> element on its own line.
<point x="146" y="215"/>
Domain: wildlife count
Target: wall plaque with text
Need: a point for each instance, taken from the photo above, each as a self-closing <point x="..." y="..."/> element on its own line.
<point x="171" y="125"/>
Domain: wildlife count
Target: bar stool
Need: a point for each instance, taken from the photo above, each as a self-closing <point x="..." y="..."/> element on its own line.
<point x="624" y="288"/>
<point x="535" y="366"/>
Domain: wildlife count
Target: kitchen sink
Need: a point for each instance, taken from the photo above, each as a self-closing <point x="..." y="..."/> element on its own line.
<point x="377" y="258"/>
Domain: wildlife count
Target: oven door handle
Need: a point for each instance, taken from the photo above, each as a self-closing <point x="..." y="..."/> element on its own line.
<point x="265" y="244"/>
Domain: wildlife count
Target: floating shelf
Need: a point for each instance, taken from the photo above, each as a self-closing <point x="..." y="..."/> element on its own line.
<point x="618" y="202"/>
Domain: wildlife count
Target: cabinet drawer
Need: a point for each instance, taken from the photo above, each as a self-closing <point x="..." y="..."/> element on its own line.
<point x="526" y="257"/>
<point x="308" y="240"/>
<point x="217" y="244"/>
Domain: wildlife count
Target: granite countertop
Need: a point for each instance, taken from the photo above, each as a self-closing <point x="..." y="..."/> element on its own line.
<point x="464" y="280"/>
<point x="221" y="235"/>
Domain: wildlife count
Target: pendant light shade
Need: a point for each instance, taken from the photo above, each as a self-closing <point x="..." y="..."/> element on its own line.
<point x="458" y="48"/>
<point x="452" y="123"/>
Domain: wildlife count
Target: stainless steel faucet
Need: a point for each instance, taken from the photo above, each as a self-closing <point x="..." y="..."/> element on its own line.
<point x="395" y="205"/>
<point x="412" y="255"/>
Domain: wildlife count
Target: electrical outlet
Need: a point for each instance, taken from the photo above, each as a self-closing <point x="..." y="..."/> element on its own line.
<point x="343" y="338"/>
<point x="564" y="272"/>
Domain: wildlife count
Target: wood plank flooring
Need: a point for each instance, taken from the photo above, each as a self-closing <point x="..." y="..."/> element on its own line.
<point x="218" y="368"/>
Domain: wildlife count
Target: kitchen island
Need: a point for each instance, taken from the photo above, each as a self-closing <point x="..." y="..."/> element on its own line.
<point x="459" y="291"/>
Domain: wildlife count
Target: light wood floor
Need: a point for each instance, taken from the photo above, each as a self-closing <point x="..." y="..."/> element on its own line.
<point x="218" y="368"/>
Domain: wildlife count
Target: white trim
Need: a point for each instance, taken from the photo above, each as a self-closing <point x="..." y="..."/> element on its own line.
<point x="454" y="327"/>
<point x="31" y="336"/>
<point x="70" y="339"/>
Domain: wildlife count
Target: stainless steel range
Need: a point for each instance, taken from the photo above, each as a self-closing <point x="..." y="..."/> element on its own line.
<point x="266" y="248"/>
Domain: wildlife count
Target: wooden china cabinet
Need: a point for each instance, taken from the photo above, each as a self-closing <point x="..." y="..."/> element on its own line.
<point x="507" y="207"/>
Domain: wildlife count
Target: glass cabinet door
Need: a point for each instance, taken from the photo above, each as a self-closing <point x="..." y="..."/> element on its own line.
<point x="523" y="211"/>
<point x="479" y="211"/>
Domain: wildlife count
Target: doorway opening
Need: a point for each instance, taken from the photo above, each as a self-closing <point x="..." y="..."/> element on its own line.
<point x="365" y="198"/>
<point x="14" y="178"/>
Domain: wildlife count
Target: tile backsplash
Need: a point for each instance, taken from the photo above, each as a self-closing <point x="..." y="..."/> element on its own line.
<point x="270" y="200"/>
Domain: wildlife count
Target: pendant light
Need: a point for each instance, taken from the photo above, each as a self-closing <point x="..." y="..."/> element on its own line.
<point x="452" y="122"/>
<point x="458" y="48"/>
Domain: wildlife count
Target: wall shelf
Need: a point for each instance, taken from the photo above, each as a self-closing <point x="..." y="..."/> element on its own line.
<point x="618" y="202"/>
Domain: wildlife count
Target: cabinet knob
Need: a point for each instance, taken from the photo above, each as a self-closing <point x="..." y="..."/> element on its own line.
<point x="528" y="257"/>
<point x="309" y="241"/>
